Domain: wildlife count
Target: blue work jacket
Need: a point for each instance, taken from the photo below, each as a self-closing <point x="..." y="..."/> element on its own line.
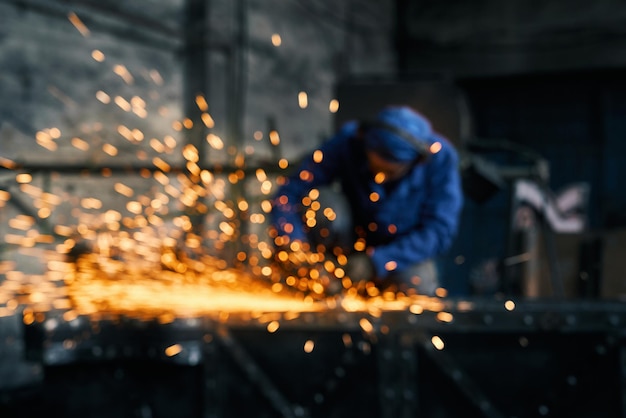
<point x="415" y="217"/>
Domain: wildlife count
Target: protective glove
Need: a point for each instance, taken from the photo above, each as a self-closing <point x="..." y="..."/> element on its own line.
<point x="360" y="267"/>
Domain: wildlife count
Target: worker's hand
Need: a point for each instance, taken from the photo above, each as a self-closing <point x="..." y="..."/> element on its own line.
<point x="360" y="267"/>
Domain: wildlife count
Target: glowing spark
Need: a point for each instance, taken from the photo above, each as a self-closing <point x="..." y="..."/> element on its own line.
<point x="161" y="164"/>
<point x="437" y="342"/>
<point x="123" y="189"/>
<point x="134" y="207"/>
<point x="22" y="222"/>
<point x="80" y="144"/>
<point x="103" y="97"/>
<point x="303" y="100"/>
<point x="309" y="345"/>
<point x="207" y="120"/>
<point x="306" y="175"/>
<point x="227" y="228"/>
<point x="260" y="175"/>
<point x="190" y="152"/>
<point x="6" y="163"/>
<point x="172" y="350"/>
<point x="416" y="309"/>
<point x="445" y="317"/>
<point x="215" y="141"/>
<point x="274" y="138"/>
<point x="435" y="147"/>
<point x="157" y="145"/>
<point x="169" y="141"/>
<point x="374" y="197"/>
<point x="122" y="103"/>
<point x="201" y="103"/>
<point x="78" y="24"/>
<point x="333" y="106"/>
<point x="273" y="326"/>
<point x="366" y="325"/>
<point x="91" y="203"/>
<point x="97" y="55"/>
<point x="23" y="178"/>
<point x="266" y="205"/>
<point x="109" y="149"/>
<point x="124" y="74"/>
<point x="156" y="77"/>
<point x="45" y="140"/>
<point x="276" y="40"/>
<point x="137" y="135"/>
<point x="391" y="265"/>
<point x="509" y="305"/>
<point x="266" y="187"/>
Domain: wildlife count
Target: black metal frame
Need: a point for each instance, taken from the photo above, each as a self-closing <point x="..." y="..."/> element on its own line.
<point x="244" y="366"/>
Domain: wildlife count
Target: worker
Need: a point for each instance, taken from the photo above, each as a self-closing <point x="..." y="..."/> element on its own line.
<point x="400" y="183"/>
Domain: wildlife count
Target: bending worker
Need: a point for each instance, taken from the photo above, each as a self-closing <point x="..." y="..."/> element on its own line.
<point x="401" y="183"/>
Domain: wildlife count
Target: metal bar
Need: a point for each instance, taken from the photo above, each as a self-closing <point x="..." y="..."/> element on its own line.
<point x="134" y="19"/>
<point x="622" y="360"/>
<point x="45" y="225"/>
<point x="555" y="270"/>
<point x="213" y="407"/>
<point x="165" y="39"/>
<point x="195" y="85"/>
<point x="447" y="365"/>
<point x="257" y="376"/>
<point x="236" y="76"/>
<point x="397" y="368"/>
<point x="134" y="169"/>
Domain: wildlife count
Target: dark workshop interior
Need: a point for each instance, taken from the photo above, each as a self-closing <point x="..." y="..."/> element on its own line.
<point x="141" y="145"/>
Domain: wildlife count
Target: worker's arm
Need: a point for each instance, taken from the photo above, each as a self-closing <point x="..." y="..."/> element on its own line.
<point x="316" y="170"/>
<point x="439" y="219"/>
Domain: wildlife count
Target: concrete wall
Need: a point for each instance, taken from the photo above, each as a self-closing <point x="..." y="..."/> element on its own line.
<point x="490" y="37"/>
<point x="102" y="85"/>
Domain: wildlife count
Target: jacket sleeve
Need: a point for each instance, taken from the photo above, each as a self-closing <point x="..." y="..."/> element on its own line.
<point x="439" y="219"/>
<point x="317" y="169"/>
